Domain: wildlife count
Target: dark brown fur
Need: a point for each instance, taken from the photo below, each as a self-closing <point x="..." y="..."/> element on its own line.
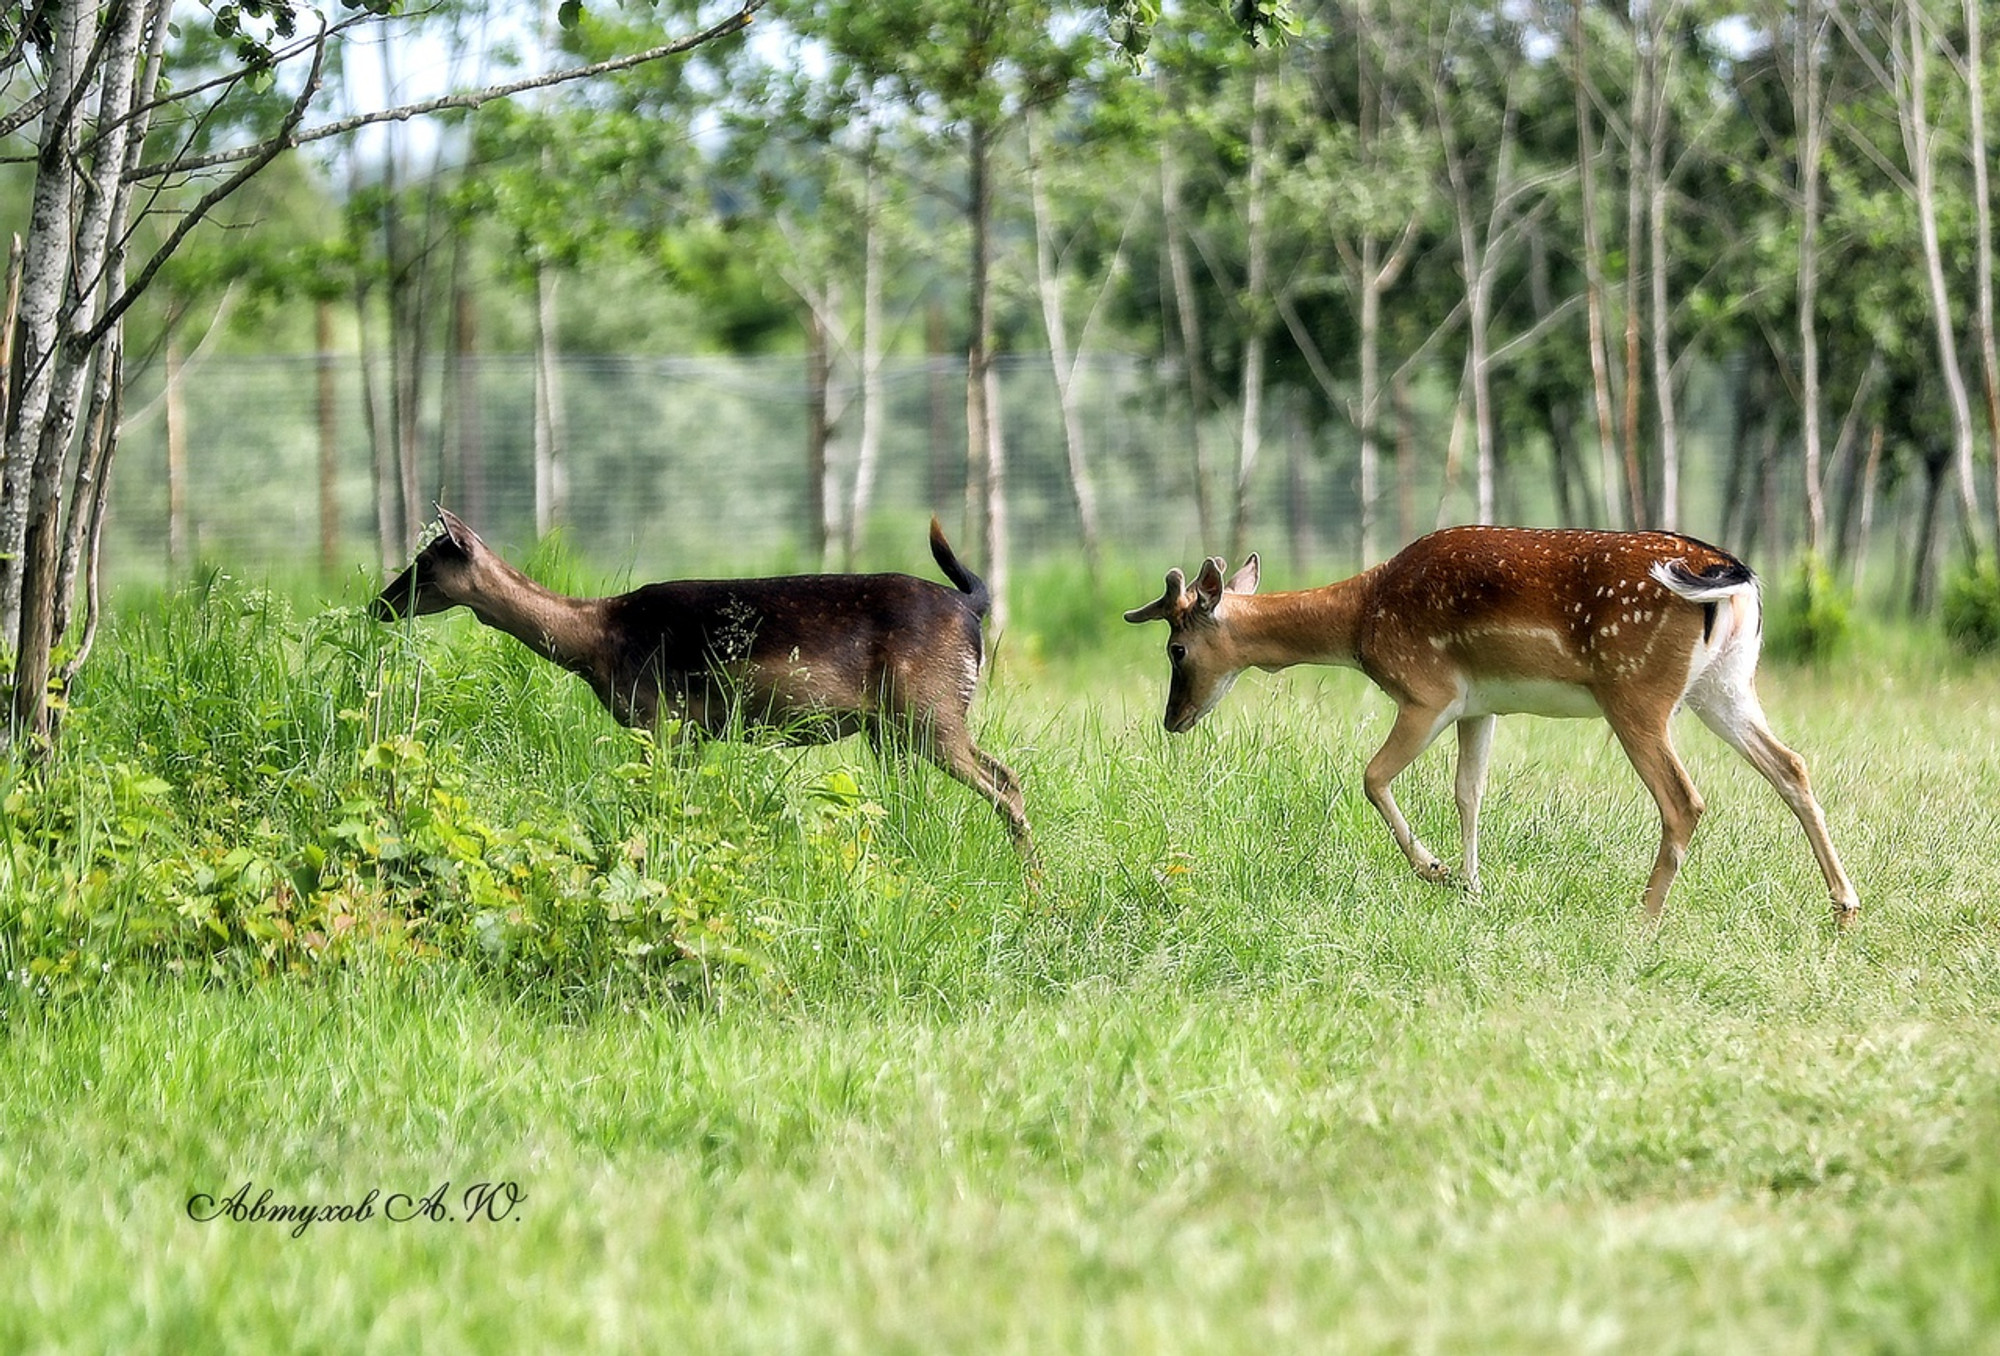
<point x="808" y="657"/>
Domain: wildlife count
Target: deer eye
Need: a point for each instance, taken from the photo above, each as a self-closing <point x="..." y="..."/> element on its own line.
<point x="1177" y="652"/>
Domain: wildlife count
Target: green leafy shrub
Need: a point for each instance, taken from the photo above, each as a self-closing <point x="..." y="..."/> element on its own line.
<point x="241" y="794"/>
<point x="1971" y="610"/>
<point x="1810" y="623"/>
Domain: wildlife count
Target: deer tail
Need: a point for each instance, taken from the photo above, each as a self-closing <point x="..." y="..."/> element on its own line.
<point x="964" y="580"/>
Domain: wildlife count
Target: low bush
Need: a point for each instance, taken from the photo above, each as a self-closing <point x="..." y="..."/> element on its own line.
<point x="1810" y="622"/>
<point x="1971" y="611"/>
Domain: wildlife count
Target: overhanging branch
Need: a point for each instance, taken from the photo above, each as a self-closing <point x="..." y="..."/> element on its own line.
<point x="264" y="150"/>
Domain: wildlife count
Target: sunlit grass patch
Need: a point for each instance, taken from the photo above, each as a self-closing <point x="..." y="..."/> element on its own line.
<point x="786" y="1049"/>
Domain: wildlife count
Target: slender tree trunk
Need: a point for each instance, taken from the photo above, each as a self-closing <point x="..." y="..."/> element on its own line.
<point x="1187" y="312"/>
<point x="549" y="431"/>
<point x="868" y="445"/>
<point x="938" y="372"/>
<point x="1256" y="292"/>
<point x="1371" y="395"/>
<point x="96" y="256"/>
<point x="10" y="315"/>
<point x="1806" y="101"/>
<point x="1982" y="199"/>
<point x="1063" y="363"/>
<point x="819" y="372"/>
<point x="390" y="543"/>
<point x="177" y="471"/>
<point x="1846" y="469"/>
<point x="1917" y="137"/>
<point x="1635" y="199"/>
<point x="1299" y="541"/>
<point x="83" y="540"/>
<point x="1869" y="474"/>
<point x="1406" y="457"/>
<point x="402" y="335"/>
<point x="328" y="424"/>
<point x="985" y="451"/>
<point x="1662" y="313"/>
<point x="471" y="487"/>
<point x="1454" y="446"/>
<point x="1925" y="548"/>
<point x="82" y="547"/>
<point x="1609" y="476"/>
<point x="44" y="275"/>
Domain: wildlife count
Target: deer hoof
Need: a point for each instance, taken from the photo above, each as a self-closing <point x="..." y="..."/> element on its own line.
<point x="1437" y="873"/>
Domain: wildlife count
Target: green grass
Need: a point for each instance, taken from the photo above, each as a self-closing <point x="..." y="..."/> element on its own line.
<point x="785" y="1054"/>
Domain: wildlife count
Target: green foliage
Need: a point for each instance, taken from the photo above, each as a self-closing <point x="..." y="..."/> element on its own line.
<point x="1226" y="1074"/>
<point x="1810" y="623"/>
<point x="288" y="796"/>
<point x="1971" y="608"/>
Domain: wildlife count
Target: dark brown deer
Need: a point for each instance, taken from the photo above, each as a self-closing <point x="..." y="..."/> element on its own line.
<point x="1477" y="622"/>
<point x="811" y="658"/>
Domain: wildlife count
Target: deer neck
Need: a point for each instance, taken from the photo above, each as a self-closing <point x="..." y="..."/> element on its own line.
<point x="1309" y="626"/>
<point x="566" y="630"/>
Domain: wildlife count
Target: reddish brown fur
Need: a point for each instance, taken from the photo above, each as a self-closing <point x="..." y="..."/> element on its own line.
<point x="809" y="657"/>
<point x="1472" y="623"/>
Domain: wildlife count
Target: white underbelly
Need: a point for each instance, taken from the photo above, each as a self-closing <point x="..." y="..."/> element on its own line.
<point x="1528" y="697"/>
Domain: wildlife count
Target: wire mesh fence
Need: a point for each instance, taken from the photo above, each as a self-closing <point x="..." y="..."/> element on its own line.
<point x="680" y="466"/>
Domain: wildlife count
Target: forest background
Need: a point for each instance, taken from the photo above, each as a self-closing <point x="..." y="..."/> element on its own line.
<point x="783" y="1046"/>
<point x="1719" y="268"/>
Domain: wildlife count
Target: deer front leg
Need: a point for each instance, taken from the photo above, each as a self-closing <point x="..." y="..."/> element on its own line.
<point x="1415" y="728"/>
<point x="1475" y="747"/>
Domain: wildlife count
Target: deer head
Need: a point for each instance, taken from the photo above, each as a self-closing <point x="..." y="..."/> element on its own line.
<point x="439" y="578"/>
<point x="1202" y="656"/>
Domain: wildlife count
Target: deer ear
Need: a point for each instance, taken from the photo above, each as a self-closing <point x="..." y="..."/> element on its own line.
<point x="463" y="537"/>
<point x="1164" y="605"/>
<point x="1245" y="579"/>
<point x="1208" y="584"/>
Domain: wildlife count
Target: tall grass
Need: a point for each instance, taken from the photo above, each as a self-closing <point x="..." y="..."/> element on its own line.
<point x="787" y="1052"/>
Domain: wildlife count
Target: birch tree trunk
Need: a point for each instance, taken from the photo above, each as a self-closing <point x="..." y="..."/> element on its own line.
<point x="1609" y="473"/>
<point x="1808" y="117"/>
<point x="868" y="445"/>
<point x="328" y="426"/>
<point x="1048" y="286"/>
<point x="549" y="433"/>
<point x="1187" y="314"/>
<point x="819" y="432"/>
<point x="1635" y="476"/>
<point x="1982" y="200"/>
<point x="1661" y="16"/>
<point x="30" y="601"/>
<point x="44" y="274"/>
<point x="1256" y="290"/>
<point x="986" y="478"/>
<point x="176" y="414"/>
<point x="1918" y="143"/>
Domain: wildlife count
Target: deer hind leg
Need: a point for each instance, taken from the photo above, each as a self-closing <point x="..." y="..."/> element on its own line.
<point x="951" y="748"/>
<point x="1415" y="728"/>
<point x="1648" y="742"/>
<point x="1738" y="720"/>
<point x="1475" y="748"/>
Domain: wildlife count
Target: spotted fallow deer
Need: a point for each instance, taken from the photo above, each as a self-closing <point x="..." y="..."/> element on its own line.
<point x="809" y="658"/>
<point x="1473" y="623"/>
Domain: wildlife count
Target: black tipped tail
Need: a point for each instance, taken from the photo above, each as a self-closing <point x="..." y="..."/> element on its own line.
<point x="964" y="580"/>
<point x="1720" y="578"/>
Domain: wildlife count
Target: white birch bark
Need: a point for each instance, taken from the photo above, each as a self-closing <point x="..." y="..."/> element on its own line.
<point x="44" y="272"/>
